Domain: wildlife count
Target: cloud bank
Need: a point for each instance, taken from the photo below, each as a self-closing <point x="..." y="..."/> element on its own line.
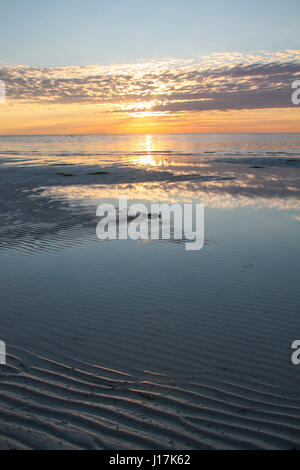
<point x="215" y="82"/>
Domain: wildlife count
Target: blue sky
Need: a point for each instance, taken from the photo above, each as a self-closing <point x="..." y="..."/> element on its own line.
<point x="82" y="32"/>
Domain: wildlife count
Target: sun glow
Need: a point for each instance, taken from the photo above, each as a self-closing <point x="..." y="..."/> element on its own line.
<point x="142" y="109"/>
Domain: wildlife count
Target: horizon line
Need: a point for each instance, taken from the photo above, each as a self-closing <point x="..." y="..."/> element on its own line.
<point x="146" y="133"/>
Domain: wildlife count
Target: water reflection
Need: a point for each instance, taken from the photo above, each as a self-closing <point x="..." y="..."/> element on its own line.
<point x="216" y="194"/>
<point x="220" y="184"/>
<point x="48" y="183"/>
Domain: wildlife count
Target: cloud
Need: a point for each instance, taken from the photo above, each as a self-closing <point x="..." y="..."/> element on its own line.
<point x="214" y="82"/>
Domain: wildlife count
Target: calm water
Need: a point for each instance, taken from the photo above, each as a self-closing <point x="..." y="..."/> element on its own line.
<point x="253" y="144"/>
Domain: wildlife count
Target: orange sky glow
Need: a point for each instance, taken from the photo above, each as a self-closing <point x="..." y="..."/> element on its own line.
<point x="217" y="93"/>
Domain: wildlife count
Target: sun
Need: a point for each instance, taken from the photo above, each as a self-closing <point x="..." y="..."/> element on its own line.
<point x="142" y="109"/>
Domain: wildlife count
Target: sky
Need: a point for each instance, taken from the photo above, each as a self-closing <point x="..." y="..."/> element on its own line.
<point x="109" y="66"/>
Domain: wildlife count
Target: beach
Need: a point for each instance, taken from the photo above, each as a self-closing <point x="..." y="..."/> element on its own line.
<point x="141" y="344"/>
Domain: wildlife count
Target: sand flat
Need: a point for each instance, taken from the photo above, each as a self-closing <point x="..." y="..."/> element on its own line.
<point x="130" y="345"/>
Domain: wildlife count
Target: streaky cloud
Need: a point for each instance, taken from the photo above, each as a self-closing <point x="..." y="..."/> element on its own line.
<point x="214" y="82"/>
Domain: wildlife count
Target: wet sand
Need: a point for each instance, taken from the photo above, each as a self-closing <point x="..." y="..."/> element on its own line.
<point x="131" y="345"/>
